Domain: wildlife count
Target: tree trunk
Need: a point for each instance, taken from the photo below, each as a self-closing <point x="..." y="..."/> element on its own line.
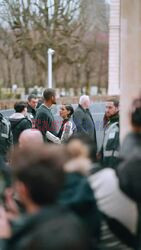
<point x="87" y="82"/>
<point x="9" y="80"/>
<point x="24" y="76"/>
<point x="100" y="73"/>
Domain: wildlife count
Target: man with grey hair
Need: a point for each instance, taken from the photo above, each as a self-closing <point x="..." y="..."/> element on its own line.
<point x="30" y="138"/>
<point x="83" y="119"/>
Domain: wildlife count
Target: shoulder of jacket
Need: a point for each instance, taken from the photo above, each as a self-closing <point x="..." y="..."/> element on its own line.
<point x="5" y="120"/>
<point x="25" y="120"/>
<point x="68" y="125"/>
<point x="42" y="112"/>
<point x="79" y="110"/>
<point x="114" y="125"/>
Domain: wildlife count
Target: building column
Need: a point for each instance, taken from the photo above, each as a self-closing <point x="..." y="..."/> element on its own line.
<point x="130" y="58"/>
<point x="114" y="48"/>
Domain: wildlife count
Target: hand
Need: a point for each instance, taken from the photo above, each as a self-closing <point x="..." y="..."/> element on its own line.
<point x="5" y="229"/>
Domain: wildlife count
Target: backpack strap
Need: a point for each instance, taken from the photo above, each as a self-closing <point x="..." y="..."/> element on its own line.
<point x="5" y="134"/>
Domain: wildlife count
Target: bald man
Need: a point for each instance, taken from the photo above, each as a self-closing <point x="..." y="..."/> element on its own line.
<point x="30" y="138"/>
<point x="83" y="119"/>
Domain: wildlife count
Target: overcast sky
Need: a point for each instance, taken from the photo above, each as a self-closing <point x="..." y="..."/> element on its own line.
<point x="108" y="1"/>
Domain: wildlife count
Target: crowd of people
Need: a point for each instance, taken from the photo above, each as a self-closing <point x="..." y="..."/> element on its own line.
<point x="58" y="190"/>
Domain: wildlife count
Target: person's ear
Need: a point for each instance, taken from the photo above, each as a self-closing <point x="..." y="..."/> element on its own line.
<point x="52" y="98"/>
<point x="21" y="190"/>
<point x="117" y="108"/>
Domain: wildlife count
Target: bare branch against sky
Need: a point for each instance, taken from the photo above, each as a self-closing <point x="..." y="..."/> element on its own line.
<point x="76" y="29"/>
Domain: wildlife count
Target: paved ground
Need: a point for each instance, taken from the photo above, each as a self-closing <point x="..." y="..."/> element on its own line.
<point x="97" y="110"/>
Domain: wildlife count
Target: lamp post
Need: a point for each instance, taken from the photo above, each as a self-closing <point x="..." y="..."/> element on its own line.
<point x="50" y="53"/>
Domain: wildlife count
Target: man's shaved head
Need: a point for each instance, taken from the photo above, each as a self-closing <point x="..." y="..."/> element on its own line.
<point x="30" y="138"/>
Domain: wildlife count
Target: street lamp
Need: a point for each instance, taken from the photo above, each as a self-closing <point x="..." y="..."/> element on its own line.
<point x="50" y="53"/>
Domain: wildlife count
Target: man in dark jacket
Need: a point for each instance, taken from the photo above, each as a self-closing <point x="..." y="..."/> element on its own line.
<point x="19" y="121"/>
<point x="31" y="105"/>
<point x="44" y="120"/>
<point x="109" y="152"/>
<point x="83" y="120"/>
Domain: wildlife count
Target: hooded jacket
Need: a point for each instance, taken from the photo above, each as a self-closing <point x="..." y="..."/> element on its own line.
<point x="18" y="124"/>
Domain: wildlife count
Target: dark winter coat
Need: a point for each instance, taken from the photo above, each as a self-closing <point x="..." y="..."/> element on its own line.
<point x="53" y="228"/>
<point x="79" y="197"/>
<point x="18" y="124"/>
<point x="84" y="123"/>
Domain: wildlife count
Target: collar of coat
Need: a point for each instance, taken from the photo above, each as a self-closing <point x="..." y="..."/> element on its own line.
<point x="114" y="118"/>
<point x="85" y="110"/>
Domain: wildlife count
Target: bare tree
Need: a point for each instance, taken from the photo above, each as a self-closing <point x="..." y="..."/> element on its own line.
<point x="70" y="27"/>
<point x="38" y="25"/>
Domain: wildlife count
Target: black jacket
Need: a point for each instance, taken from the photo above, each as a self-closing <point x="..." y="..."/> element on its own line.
<point x="18" y="125"/>
<point x="44" y="121"/>
<point x="53" y="228"/>
<point x="79" y="197"/>
<point x="31" y="111"/>
<point x="129" y="174"/>
<point x="84" y="123"/>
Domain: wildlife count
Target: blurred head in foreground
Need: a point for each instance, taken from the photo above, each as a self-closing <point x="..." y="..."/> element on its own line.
<point x="38" y="175"/>
<point x="30" y="138"/>
<point x="81" y="146"/>
<point x="135" y="115"/>
<point x="82" y="152"/>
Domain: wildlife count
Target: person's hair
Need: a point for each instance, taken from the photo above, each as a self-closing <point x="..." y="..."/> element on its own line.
<point x="136" y="112"/>
<point x="41" y="170"/>
<point x="20" y="106"/>
<point x="115" y="102"/>
<point x="70" y="109"/>
<point x="88" y="142"/>
<point x="31" y="96"/>
<point x="83" y="99"/>
<point x="48" y="94"/>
